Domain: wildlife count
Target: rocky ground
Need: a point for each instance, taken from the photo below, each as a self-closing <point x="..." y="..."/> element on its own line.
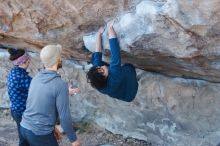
<point x="89" y="135"/>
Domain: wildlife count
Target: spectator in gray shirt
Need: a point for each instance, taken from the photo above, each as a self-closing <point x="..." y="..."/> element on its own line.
<point x="48" y="99"/>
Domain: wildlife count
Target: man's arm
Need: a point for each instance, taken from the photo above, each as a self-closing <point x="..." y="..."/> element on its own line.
<point x="62" y="104"/>
<point x="97" y="56"/>
<point x="115" y="64"/>
<point x="99" y="40"/>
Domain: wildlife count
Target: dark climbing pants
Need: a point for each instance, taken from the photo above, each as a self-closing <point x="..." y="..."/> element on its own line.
<point x="38" y="140"/>
<point x="17" y="118"/>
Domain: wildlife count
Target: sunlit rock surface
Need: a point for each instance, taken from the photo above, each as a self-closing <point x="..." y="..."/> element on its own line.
<point x="174" y="37"/>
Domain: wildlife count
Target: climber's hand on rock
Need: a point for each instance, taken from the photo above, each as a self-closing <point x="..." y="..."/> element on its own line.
<point x="110" y="24"/>
<point x="101" y="30"/>
<point x="111" y="31"/>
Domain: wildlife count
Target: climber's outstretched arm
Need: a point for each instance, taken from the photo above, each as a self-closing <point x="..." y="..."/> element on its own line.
<point x="111" y="31"/>
<point x="99" y="40"/>
<point x="97" y="55"/>
<point x="115" y="64"/>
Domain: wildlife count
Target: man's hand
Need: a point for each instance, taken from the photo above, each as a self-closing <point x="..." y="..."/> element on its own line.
<point x="101" y="30"/>
<point x="58" y="134"/>
<point x="76" y="143"/>
<point x="110" y="24"/>
<point x="111" y="31"/>
<point x="73" y="91"/>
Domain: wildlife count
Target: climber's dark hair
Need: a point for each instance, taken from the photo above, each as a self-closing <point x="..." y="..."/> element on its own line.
<point x="95" y="78"/>
<point x="15" y="53"/>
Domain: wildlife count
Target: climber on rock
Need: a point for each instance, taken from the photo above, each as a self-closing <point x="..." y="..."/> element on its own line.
<point x="117" y="81"/>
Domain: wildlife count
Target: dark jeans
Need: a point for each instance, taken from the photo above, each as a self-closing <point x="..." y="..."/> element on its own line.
<point x="38" y="140"/>
<point x="17" y="118"/>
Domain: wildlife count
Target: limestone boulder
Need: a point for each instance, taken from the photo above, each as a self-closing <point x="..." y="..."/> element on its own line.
<point x="173" y="37"/>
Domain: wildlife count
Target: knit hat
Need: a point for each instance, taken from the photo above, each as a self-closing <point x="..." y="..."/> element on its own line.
<point x="50" y="54"/>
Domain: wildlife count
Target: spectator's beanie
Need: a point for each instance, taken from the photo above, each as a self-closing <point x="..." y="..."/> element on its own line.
<point x="50" y="54"/>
